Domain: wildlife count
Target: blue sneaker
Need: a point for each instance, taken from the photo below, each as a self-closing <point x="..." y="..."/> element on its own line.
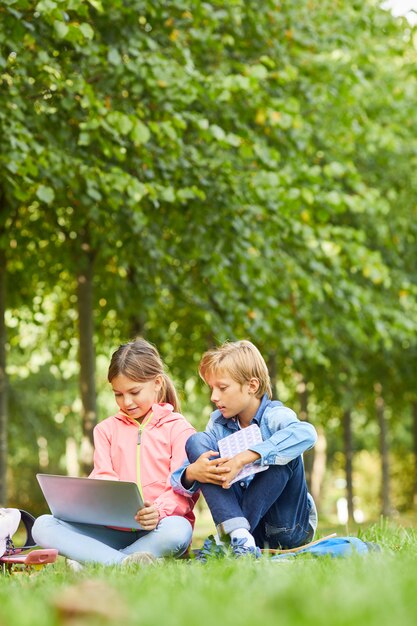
<point x="240" y="549"/>
<point x="211" y="549"/>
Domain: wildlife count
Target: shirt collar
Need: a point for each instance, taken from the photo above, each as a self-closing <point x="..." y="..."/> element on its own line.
<point x="231" y="422"/>
<point x="264" y="403"/>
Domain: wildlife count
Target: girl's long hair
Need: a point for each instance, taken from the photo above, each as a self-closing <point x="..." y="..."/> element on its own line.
<point x="140" y="361"/>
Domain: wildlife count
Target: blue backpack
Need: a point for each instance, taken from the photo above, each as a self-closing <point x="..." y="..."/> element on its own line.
<point x="334" y="547"/>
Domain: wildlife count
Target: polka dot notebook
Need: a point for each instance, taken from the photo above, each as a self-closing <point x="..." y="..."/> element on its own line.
<point x="241" y="440"/>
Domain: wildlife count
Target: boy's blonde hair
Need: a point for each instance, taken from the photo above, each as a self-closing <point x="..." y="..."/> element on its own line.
<point x="241" y="360"/>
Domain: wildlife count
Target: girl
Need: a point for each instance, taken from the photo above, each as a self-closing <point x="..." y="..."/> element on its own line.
<point x="143" y="442"/>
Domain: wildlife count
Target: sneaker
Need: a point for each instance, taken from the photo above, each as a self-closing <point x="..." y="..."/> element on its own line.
<point x="313" y="517"/>
<point x="240" y="549"/>
<point x="140" y="559"/>
<point x="75" y="566"/>
<point x="211" y="549"/>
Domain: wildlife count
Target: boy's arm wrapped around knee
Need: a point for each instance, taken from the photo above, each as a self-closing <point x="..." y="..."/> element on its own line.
<point x="186" y="479"/>
<point x="207" y="470"/>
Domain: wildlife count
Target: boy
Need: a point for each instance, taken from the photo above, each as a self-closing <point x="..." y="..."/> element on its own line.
<point x="271" y="508"/>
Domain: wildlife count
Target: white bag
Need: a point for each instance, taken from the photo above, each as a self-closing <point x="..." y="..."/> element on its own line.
<point x="9" y="523"/>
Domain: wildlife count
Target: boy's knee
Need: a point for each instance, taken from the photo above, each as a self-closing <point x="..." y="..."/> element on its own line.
<point x="197" y="444"/>
<point x="191" y="444"/>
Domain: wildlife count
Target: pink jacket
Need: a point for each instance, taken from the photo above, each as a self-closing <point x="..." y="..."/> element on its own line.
<point x="162" y="450"/>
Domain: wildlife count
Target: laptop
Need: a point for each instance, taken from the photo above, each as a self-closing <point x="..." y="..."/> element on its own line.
<point x="92" y="500"/>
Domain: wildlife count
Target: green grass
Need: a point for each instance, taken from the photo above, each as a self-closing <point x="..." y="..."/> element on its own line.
<point x="377" y="589"/>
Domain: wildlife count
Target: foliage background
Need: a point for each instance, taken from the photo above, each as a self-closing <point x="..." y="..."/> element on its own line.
<point x="196" y="172"/>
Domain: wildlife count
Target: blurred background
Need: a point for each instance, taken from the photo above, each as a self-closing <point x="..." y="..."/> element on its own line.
<point x="195" y="172"/>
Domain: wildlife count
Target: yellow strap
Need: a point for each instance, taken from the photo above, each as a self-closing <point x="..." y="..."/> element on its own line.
<point x="141" y="428"/>
<point x="138" y="469"/>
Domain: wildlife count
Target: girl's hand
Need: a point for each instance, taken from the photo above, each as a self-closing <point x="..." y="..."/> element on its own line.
<point x="205" y="471"/>
<point x="148" y="517"/>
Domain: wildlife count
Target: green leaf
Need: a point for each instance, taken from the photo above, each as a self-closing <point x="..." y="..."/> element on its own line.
<point x="113" y="56"/>
<point x="61" y="29"/>
<point x="97" y="5"/>
<point x="167" y="194"/>
<point x="307" y="195"/>
<point x="258" y="71"/>
<point x="84" y="139"/>
<point x="86" y="30"/>
<point x="140" y="133"/>
<point x="217" y="132"/>
<point x="45" y="194"/>
<point x="137" y="190"/>
<point x="46" y="6"/>
<point x="121" y="122"/>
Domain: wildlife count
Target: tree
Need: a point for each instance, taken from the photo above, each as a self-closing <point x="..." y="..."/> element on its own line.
<point x="204" y="173"/>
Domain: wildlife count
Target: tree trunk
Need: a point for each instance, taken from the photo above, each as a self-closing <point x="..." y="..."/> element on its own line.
<point x="308" y="456"/>
<point x="136" y="326"/>
<point x="3" y="383"/>
<point x="273" y="372"/>
<point x="384" y="451"/>
<point x="348" y="449"/>
<point x="414" y="414"/>
<point x="319" y="465"/>
<point x="86" y="356"/>
<point x="314" y="459"/>
<point x="136" y="321"/>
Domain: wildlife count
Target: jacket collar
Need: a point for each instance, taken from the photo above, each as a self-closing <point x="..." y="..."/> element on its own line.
<point x="161" y="413"/>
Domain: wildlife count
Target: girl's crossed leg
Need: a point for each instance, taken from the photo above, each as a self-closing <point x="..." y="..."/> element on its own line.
<point x="89" y="543"/>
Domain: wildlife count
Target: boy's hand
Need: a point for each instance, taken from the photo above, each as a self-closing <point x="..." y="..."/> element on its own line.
<point x="205" y="471"/>
<point x="148" y="517"/>
<point x="236" y="463"/>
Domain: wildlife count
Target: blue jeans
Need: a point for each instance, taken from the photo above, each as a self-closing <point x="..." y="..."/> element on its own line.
<point x="89" y="543"/>
<point x="273" y="506"/>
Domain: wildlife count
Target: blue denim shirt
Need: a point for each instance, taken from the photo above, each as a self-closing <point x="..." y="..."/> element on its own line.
<point x="284" y="437"/>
